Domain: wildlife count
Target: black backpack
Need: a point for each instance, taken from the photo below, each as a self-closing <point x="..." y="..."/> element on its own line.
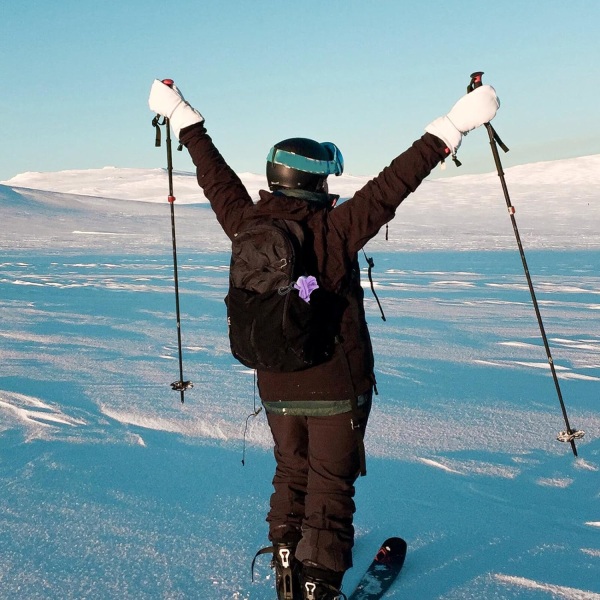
<point x="271" y="327"/>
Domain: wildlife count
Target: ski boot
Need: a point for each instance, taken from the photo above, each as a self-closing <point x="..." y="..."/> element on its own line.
<point x="321" y="584"/>
<point x="287" y="570"/>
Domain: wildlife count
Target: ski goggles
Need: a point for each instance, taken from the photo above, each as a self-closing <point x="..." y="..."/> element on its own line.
<point x="333" y="166"/>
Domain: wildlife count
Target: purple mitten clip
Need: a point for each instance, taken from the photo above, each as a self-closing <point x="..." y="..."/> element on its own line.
<point x="306" y="285"/>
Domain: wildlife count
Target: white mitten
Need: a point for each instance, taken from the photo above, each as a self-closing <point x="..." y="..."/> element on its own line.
<point x="166" y="100"/>
<point x="471" y="111"/>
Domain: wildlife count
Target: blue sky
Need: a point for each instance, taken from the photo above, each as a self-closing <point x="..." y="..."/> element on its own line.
<point x="366" y="75"/>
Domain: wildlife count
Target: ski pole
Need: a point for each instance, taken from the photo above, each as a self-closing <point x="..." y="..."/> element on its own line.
<point x="570" y="435"/>
<point x="181" y="385"/>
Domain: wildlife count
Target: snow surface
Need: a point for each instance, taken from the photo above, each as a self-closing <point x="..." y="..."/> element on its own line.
<point x="111" y="488"/>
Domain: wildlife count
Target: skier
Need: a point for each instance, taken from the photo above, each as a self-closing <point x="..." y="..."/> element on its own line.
<point x="318" y="416"/>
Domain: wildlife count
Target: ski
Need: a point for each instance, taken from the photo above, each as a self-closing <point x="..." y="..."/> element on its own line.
<point x="382" y="572"/>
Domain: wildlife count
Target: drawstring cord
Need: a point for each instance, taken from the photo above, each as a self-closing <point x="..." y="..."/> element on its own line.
<point x="371" y="264"/>
<point x="253" y="414"/>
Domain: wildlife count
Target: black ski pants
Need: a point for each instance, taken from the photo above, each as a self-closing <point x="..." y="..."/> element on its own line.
<point x="318" y="463"/>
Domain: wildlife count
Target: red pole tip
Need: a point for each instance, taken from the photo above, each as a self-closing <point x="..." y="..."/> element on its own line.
<point x="168" y="82"/>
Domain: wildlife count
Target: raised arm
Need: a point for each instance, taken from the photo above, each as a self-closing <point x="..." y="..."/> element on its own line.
<point x="359" y="219"/>
<point x="223" y="188"/>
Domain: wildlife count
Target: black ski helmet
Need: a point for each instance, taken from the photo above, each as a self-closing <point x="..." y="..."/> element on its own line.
<point x="302" y="164"/>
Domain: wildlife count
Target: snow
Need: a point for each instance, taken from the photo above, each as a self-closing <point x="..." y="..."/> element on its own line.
<point x="111" y="488"/>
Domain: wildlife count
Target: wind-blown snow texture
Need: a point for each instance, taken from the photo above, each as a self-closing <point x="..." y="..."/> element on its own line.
<point x="113" y="489"/>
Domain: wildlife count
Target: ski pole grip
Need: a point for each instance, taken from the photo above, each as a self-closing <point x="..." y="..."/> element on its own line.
<point x="475" y="81"/>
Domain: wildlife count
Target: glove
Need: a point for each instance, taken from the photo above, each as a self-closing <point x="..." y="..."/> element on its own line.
<point x="471" y="111"/>
<point x="167" y="101"/>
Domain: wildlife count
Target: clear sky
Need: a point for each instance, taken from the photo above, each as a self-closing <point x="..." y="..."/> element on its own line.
<point x="366" y="74"/>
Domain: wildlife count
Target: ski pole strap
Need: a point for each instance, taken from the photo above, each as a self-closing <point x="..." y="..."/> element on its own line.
<point x="156" y="124"/>
<point x="157" y="140"/>
<point x="497" y="139"/>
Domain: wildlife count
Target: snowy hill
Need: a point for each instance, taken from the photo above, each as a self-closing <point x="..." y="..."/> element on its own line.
<point x="112" y="489"/>
<point x="148" y="185"/>
<point x="553" y="201"/>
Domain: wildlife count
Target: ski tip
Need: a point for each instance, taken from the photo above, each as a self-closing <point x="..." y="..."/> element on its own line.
<point x="395" y="543"/>
<point x="392" y="550"/>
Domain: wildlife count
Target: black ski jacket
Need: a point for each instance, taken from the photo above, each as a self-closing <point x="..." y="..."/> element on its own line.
<point x="338" y="235"/>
